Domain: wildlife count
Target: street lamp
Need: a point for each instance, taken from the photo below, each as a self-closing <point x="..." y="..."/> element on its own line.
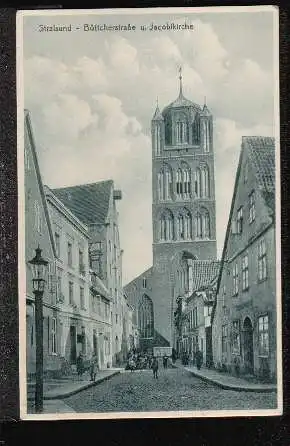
<point x="39" y="272"/>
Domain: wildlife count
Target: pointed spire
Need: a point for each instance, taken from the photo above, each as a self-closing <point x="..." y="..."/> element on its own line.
<point x="180" y="82"/>
<point x="205" y="109"/>
<point x="157" y="114"/>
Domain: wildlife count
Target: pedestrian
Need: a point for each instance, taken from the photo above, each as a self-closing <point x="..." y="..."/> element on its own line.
<point x="199" y="359"/>
<point x="93" y="367"/>
<point x="165" y="359"/>
<point x="131" y="363"/>
<point x="155" y="368"/>
<point x="80" y="365"/>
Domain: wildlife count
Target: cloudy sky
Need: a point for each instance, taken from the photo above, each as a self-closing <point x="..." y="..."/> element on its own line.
<point x="92" y="95"/>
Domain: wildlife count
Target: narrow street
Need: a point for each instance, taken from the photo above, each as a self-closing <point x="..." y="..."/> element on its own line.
<point x="175" y="389"/>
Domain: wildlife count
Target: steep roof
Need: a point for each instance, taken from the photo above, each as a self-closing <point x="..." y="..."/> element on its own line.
<point x="204" y="272"/>
<point x="261" y="153"/>
<point x="28" y="125"/>
<point x="157" y="115"/>
<point x="89" y="202"/>
<point x="262" y="158"/>
<point x="182" y="101"/>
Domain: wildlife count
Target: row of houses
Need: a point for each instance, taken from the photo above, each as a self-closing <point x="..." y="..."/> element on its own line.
<point x="231" y="314"/>
<point x="84" y="307"/>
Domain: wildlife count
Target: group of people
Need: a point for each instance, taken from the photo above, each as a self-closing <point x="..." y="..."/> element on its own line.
<point x="139" y="361"/>
<point x="197" y="358"/>
<point x="93" y="366"/>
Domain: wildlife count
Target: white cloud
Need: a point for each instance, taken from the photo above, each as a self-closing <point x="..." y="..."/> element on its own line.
<point x="94" y="112"/>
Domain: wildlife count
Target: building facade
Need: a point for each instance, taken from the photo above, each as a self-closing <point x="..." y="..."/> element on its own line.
<point x="95" y="205"/>
<point x="194" y="324"/>
<point x="38" y="232"/>
<point x="83" y="320"/>
<point x="244" y="316"/>
<point x="183" y="206"/>
<point x="183" y="189"/>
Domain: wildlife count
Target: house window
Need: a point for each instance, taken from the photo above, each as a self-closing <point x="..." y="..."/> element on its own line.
<point x="71" y="292"/>
<point x="144" y="282"/>
<point x="116" y="318"/>
<point x="69" y="254"/>
<point x="181" y="132"/>
<point x="57" y="244"/>
<point x="166" y="226"/>
<point x="37" y="217"/>
<point x="240" y="220"/>
<point x="235" y="279"/>
<point x="53" y="335"/>
<point x="195" y="317"/>
<point x="252" y="209"/>
<point x="236" y="338"/>
<point x="263" y="327"/>
<point x="262" y="260"/>
<point x="224" y="338"/>
<point x="245" y="273"/>
<point x="82" y="298"/>
<point x="81" y="262"/>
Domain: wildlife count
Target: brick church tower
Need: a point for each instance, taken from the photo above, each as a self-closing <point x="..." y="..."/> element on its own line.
<point x="183" y="190"/>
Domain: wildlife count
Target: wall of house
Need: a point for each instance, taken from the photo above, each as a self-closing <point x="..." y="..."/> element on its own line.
<point x="37" y="234"/>
<point x="259" y="298"/>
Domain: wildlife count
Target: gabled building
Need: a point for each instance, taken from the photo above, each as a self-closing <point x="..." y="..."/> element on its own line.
<point x="38" y="232"/>
<point x="84" y="305"/>
<point x="95" y="206"/>
<point x="244" y="315"/>
<point x="195" y="322"/>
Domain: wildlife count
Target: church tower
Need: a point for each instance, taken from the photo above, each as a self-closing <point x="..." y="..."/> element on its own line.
<point x="183" y="191"/>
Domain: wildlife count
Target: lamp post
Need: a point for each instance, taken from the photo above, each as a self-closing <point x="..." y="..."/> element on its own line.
<point x="39" y="271"/>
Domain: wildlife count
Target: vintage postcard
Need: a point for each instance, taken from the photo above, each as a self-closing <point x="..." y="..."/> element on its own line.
<point x="149" y="213"/>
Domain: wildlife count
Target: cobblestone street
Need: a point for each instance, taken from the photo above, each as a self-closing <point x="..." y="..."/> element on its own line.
<point x="175" y="389"/>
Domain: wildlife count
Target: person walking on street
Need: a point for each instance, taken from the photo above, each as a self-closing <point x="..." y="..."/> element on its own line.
<point x="80" y="365"/>
<point x="199" y="359"/>
<point x="155" y="368"/>
<point x="93" y="367"/>
<point x="165" y="359"/>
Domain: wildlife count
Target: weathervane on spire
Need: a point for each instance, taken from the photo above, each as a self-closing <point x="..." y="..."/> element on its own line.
<point x="180" y="80"/>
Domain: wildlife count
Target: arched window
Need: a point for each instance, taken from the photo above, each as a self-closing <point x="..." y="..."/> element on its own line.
<point x="168" y="183"/>
<point x="197" y="183"/>
<point x="202" y="182"/>
<point x="184" y="225"/>
<point x="145" y="317"/>
<point x="202" y="224"/>
<point x="198" y="226"/>
<point x="166" y="226"/>
<point x="180" y="227"/>
<point x="187" y="226"/>
<point x="179" y="182"/>
<point x="186" y="182"/>
<point x="157" y="139"/>
<point x="181" y="132"/>
<point x="206" y="136"/>
<point x="164" y="180"/>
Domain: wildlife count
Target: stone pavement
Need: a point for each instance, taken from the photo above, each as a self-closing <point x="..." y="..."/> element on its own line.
<point x="55" y="389"/>
<point x="226" y="381"/>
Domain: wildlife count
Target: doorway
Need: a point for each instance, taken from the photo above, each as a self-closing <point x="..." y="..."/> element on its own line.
<point x="248" y="346"/>
<point x="73" y="344"/>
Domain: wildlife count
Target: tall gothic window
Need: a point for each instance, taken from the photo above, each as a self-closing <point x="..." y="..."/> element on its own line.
<point x="166" y="226"/>
<point x="164" y="180"/>
<point x="184" y="225"/>
<point x="179" y="182"/>
<point x="202" y="225"/>
<point x="157" y="139"/>
<point x="206" y="136"/>
<point x="181" y="132"/>
<point x="183" y="182"/>
<point x="146" y="317"/>
<point x="202" y="182"/>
